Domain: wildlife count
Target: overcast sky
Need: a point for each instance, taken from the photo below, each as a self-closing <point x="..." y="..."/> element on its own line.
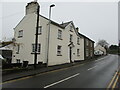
<point x="96" y="20"/>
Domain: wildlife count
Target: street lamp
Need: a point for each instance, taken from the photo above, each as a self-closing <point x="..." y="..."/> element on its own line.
<point x="49" y="31"/>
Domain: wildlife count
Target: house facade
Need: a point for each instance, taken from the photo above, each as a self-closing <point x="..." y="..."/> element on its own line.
<point x="99" y="50"/>
<point x="65" y="43"/>
<point x="88" y="47"/>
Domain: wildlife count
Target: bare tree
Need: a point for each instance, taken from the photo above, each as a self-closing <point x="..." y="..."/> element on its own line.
<point x="104" y="44"/>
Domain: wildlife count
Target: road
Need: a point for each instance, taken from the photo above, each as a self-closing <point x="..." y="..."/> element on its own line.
<point x="94" y="74"/>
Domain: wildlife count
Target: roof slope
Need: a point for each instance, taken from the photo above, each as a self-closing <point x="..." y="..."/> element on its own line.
<point x="85" y="37"/>
<point x="65" y="24"/>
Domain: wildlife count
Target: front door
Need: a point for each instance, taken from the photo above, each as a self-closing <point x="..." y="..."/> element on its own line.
<point x="70" y="54"/>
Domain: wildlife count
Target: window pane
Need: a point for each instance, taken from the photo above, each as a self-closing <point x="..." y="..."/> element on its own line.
<point x="20" y="33"/>
<point x="17" y="60"/>
<point x="38" y="47"/>
<point x="70" y="28"/>
<point x="33" y="47"/>
<point x="78" y="40"/>
<point x="40" y="30"/>
<point x="59" y="34"/>
<point x="78" y="51"/>
<point x="59" y="50"/>
<point x="17" y="49"/>
<point x="70" y="38"/>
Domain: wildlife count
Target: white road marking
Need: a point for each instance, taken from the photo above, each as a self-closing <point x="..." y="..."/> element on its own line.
<point x="91" y="68"/>
<point x="62" y="80"/>
<point x="100" y="59"/>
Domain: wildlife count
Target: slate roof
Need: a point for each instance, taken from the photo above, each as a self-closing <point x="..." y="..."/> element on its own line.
<point x="85" y="37"/>
<point x="65" y="24"/>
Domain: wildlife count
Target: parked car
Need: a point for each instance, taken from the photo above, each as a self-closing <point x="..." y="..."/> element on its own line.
<point x="98" y="53"/>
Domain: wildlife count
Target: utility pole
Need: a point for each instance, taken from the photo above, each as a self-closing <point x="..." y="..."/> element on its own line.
<point x="49" y="32"/>
<point x="36" y="38"/>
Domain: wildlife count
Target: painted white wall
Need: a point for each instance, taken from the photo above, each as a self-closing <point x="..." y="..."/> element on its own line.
<point x="28" y="25"/>
<point x="54" y="42"/>
<point x="100" y="48"/>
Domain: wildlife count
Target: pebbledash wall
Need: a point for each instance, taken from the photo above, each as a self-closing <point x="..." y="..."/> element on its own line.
<point x="24" y="34"/>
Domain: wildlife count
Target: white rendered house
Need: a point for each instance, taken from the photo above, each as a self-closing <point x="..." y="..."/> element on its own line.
<point x="65" y="44"/>
<point x="99" y="50"/>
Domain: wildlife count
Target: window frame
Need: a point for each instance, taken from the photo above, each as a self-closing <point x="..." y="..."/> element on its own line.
<point x="87" y="52"/>
<point x="78" y="40"/>
<point x="78" y="52"/>
<point x="59" y="34"/>
<point x="38" y="48"/>
<point x="20" y="33"/>
<point x="59" y="50"/>
<point x="87" y="42"/>
<point x="91" y="44"/>
<point x="17" y="49"/>
<point x="71" y="37"/>
<point x="39" y="30"/>
<point x="91" y="53"/>
<point x="71" y="28"/>
<point x="17" y="60"/>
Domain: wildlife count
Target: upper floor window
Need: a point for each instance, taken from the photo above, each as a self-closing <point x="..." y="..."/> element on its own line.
<point x="87" y="42"/>
<point x="91" y="53"/>
<point x="78" y="40"/>
<point x="87" y="52"/>
<point x="59" y="34"/>
<point x="38" y="48"/>
<point x="59" y="48"/>
<point x="71" y="37"/>
<point x="20" y="33"/>
<point x="71" y="28"/>
<point x="91" y="44"/>
<point x="17" y="49"/>
<point x="40" y="30"/>
<point x="78" y="52"/>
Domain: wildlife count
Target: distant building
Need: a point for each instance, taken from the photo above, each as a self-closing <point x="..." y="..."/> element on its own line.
<point x="88" y="47"/>
<point x="66" y="43"/>
<point x="99" y="50"/>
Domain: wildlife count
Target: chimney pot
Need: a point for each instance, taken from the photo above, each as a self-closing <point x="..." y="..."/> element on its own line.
<point x="77" y="29"/>
<point x="32" y="7"/>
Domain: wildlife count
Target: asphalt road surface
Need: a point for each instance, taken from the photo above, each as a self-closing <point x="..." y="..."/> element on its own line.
<point x="94" y="74"/>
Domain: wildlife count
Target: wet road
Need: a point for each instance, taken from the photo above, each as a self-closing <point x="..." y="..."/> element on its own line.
<point x="94" y="74"/>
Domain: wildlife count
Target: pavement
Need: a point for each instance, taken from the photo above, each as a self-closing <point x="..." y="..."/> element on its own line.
<point x="98" y="73"/>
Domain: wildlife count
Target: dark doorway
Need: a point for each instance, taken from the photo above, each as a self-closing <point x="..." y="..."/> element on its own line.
<point x="70" y="54"/>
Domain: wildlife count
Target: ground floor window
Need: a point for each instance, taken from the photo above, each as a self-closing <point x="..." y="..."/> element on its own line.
<point x="87" y="52"/>
<point x="17" y="49"/>
<point x="91" y="53"/>
<point x="38" y="48"/>
<point x="78" y="52"/>
<point x="17" y="60"/>
<point x="59" y="48"/>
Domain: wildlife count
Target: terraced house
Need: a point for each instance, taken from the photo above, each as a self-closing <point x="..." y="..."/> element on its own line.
<point x="66" y="45"/>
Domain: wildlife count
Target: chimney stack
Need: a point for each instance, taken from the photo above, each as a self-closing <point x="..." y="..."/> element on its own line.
<point x="32" y="7"/>
<point x="77" y="29"/>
